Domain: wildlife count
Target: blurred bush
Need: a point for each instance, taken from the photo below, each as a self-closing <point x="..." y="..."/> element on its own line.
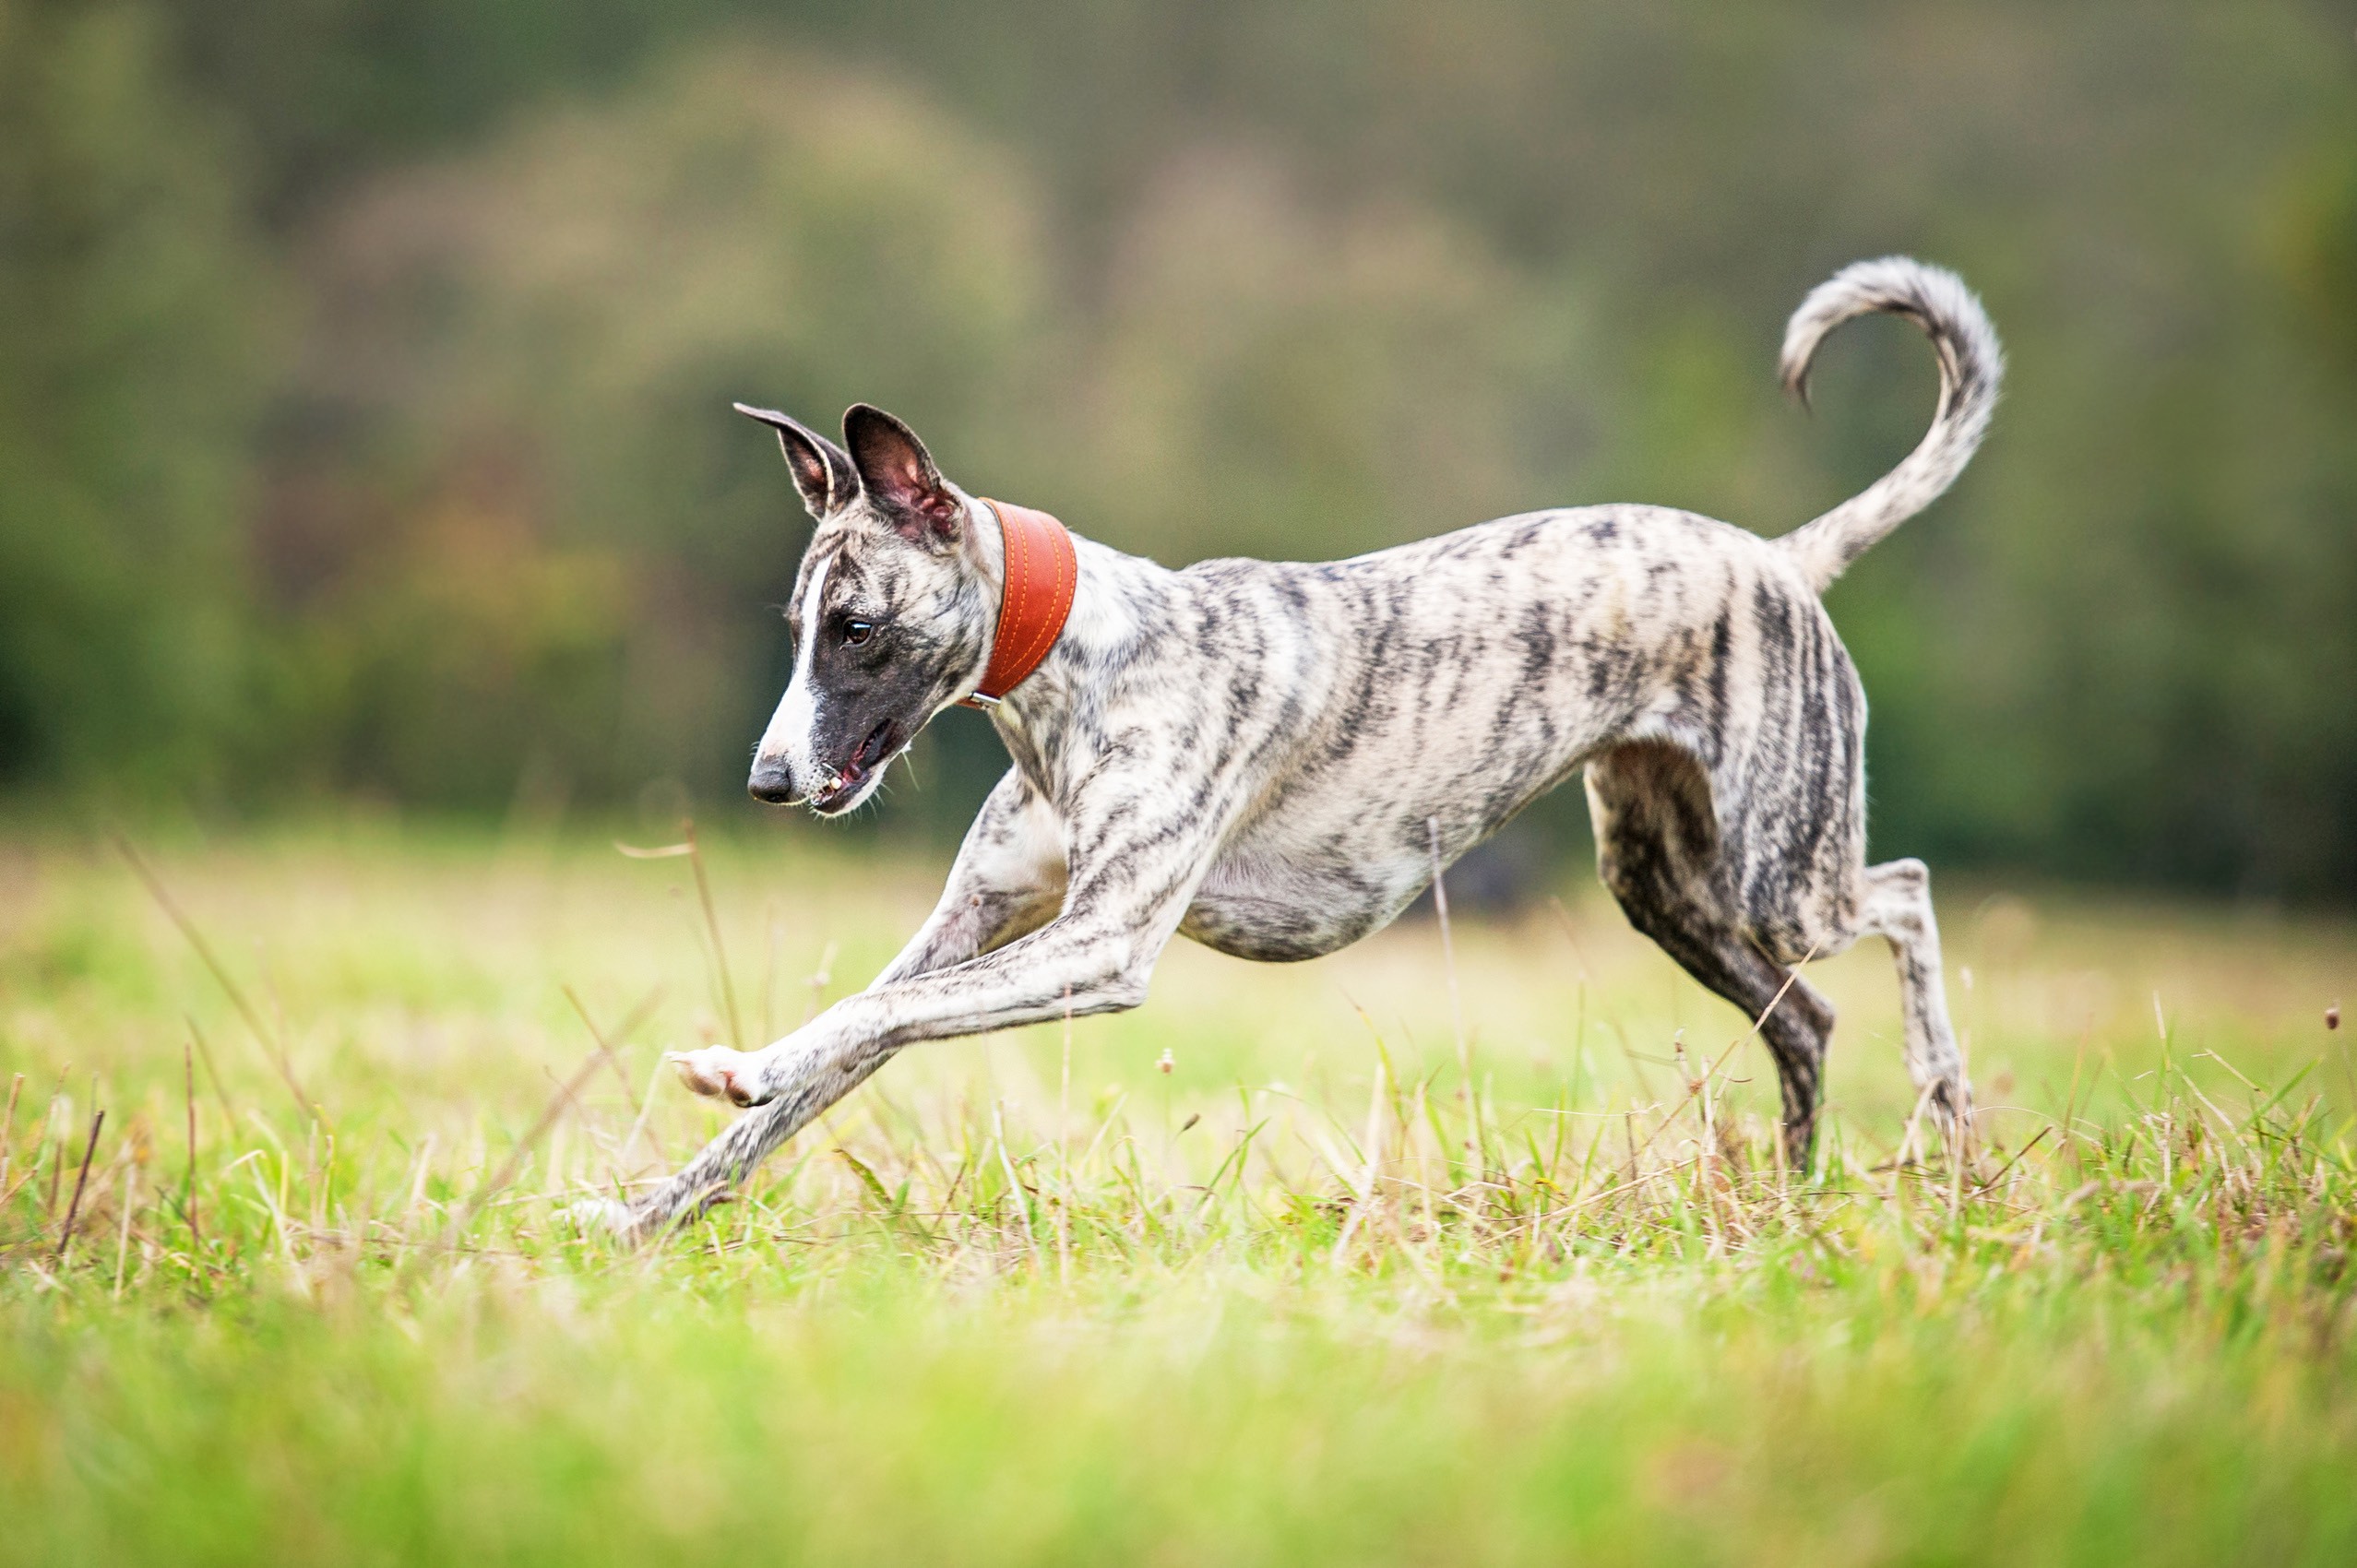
<point x="136" y="352"/>
<point x="367" y="427"/>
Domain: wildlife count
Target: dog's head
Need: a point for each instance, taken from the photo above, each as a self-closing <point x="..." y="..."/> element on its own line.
<point x="891" y="613"/>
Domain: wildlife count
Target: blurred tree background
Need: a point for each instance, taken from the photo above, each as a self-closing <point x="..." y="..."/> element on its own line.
<point x="364" y="364"/>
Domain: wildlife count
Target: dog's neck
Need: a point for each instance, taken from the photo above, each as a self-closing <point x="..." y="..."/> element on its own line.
<point x="1106" y="605"/>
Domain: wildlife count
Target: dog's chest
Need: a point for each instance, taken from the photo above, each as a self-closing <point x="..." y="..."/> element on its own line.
<point x="1279" y="911"/>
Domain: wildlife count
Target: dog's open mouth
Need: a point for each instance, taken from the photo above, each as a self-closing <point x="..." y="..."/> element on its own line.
<point x="851" y="778"/>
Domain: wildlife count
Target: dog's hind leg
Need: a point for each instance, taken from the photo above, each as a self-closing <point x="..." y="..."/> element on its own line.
<point x="1898" y="907"/>
<point x="1793" y="1018"/>
<point x="1657" y="850"/>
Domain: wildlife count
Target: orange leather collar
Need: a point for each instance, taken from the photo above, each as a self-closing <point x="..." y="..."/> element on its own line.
<point x="1042" y="573"/>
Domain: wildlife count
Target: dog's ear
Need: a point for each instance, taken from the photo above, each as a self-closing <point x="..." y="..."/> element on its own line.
<point x="899" y="476"/>
<point x="822" y="471"/>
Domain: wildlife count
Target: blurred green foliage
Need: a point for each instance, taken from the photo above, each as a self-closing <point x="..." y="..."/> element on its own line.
<point x="363" y="402"/>
<point x="131" y="371"/>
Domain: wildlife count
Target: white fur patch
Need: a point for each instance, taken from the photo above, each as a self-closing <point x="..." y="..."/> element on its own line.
<point x="792" y="729"/>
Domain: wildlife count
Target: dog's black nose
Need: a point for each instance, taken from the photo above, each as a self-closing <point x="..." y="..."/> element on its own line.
<point x="772" y="782"/>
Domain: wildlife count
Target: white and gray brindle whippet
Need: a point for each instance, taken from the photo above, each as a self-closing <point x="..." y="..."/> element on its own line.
<point x="1272" y="757"/>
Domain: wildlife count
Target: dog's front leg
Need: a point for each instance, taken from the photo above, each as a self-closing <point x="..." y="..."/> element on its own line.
<point x="1064" y="969"/>
<point x="1009" y="881"/>
<point x="1096" y="957"/>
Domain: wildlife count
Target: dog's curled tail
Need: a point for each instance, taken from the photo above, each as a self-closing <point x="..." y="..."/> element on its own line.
<point x="1971" y="365"/>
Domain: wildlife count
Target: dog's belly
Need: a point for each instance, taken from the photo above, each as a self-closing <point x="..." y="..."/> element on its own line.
<point x="1279" y="913"/>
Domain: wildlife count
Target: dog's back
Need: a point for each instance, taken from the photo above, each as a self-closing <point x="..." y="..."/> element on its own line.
<point x="1448" y="682"/>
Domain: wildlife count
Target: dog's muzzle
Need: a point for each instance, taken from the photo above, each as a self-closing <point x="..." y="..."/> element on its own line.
<point x="831" y="792"/>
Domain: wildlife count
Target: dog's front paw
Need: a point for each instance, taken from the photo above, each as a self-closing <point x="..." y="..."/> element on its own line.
<point x="720" y="1073"/>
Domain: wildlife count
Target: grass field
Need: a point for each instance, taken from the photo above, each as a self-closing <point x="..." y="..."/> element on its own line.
<point x="1245" y="1277"/>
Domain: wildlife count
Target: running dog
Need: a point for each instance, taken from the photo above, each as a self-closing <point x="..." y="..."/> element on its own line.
<point x="1273" y="759"/>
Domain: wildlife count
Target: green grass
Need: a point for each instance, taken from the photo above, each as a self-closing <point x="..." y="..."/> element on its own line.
<point x="1033" y="1299"/>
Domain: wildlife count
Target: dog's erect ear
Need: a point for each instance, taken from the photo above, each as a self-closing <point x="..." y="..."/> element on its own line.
<point x="823" y="472"/>
<point x="899" y="477"/>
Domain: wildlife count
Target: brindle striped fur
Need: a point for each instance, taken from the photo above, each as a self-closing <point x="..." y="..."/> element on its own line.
<point x="1250" y="752"/>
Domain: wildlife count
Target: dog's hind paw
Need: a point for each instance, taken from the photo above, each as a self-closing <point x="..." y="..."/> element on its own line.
<point x="602" y="1217"/>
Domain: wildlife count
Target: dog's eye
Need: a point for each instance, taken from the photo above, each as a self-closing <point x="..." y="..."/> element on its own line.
<point x="857" y="632"/>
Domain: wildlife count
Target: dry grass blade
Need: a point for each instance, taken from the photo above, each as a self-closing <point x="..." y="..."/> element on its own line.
<point x="1063" y="1151"/>
<point x="8" y="1131"/>
<point x="66" y="1236"/>
<point x="188" y="1199"/>
<point x="1371" y="1155"/>
<point x="123" y="1236"/>
<point x="1017" y="1193"/>
<point x="1466" y="1086"/>
<point x="245" y="1010"/>
<point x="516" y="1158"/>
<point x="212" y="1072"/>
<point x="688" y="848"/>
<point x="2007" y="1168"/>
<point x="712" y="933"/>
<point x="630" y="1022"/>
